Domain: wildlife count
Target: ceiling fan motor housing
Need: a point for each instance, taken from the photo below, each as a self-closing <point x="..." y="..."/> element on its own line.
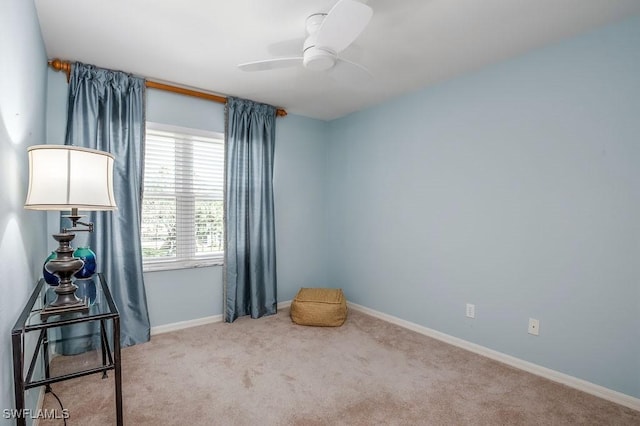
<point x="314" y="57"/>
<point x="318" y="59"/>
<point x="313" y="22"/>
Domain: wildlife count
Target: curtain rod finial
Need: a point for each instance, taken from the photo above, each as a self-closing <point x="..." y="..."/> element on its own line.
<point x="60" y="65"/>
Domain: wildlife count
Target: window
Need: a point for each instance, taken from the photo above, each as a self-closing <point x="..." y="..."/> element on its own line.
<point x="182" y="205"/>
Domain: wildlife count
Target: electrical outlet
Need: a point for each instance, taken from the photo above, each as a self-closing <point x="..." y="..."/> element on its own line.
<point x="534" y="326"/>
<point x="471" y="310"/>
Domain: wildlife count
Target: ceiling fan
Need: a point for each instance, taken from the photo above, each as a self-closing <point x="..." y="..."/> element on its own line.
<point x="328" y="34"/>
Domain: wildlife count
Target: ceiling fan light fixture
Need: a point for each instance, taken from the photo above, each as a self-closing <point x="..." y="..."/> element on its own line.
<point x="318" y="59"/>
<point x="328" y="34"/>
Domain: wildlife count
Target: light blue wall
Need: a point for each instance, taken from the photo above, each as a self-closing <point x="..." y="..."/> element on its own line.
<point x="22" y="123"/>
<point x="185" y="111"/>
<point x="516" y="188"/>
<point x="300" y="204"/>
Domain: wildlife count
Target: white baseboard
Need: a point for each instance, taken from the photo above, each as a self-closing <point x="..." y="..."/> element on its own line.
<point x="556" y="376"/>
<point x="284" y="304"/>
<point x="166" y="328"/>
<point x="159" y="329"/>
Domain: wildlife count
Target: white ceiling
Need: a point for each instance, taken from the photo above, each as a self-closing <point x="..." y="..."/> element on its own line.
<point x="409" y="44"/>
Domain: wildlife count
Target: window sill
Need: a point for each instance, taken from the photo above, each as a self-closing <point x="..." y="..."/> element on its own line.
<point x="190" y="264"/>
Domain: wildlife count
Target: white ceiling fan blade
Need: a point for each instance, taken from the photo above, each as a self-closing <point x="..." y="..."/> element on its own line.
<point x="270" y="64"/>
<point x="343" y="24"/>
<point x="351" y="73"/>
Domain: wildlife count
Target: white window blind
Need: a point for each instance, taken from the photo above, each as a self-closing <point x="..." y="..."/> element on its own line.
<point x="182" y="207"/>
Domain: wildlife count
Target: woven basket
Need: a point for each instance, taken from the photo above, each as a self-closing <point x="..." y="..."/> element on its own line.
<point x="322" y="307"/>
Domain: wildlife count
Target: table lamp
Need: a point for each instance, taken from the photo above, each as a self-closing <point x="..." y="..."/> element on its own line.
<point x="63" y="178"/>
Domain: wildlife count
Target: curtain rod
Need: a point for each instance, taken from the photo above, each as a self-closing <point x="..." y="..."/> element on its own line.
<point x="60" y="65"/>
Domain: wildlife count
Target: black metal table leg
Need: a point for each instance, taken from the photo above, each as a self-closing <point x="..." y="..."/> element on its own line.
<point x="103" y="344"/>
<point x="118" y="369"/>
<point x="18" y="377"/>
<point x="45" y="355"/>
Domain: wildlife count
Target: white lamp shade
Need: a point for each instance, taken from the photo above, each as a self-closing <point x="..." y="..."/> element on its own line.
<point x="62" y="177"/>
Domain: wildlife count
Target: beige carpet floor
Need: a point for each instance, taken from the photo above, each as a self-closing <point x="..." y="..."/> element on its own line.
<point x="367" y="372"/>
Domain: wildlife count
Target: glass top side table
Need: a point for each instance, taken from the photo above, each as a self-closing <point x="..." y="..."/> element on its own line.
<point x="102" y="309"/>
